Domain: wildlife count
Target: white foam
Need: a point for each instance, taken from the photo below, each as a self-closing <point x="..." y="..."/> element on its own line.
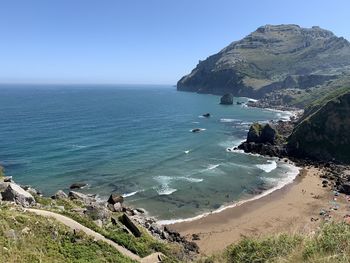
<point x="130" y="194"/>
<point x="165" y="190"/>
<point x="287" y="178"/>
<point x="191" y="179"/>
<point x="229" y="120"/>
<point x="269" y="167"/>
<point x="187" y="151"/>
<point x="212" y="166"/>
<point x="164" y="182"/>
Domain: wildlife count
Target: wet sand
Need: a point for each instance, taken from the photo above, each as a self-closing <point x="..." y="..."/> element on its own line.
<point x="289" y="209"/>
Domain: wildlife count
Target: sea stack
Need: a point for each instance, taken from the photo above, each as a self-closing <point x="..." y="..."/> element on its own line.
<point x="227" y="99"/>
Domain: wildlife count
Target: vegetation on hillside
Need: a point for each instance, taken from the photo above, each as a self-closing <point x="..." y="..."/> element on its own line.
<point x="142" y="246"/>
<point x="331" y="243"/>
<point x="25" y="237"/>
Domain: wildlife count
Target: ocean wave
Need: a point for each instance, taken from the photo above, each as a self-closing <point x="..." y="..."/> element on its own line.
<point x="288" y="177"/>
<point x="130" y="194"/>
<point x="166" y="190"/>
<point x="269" y="167"/>
<point x="191" y="179"/>
<point x="212" y="166"/>
<point x="77" y="146"/>
<point x="229" y="120"/>
<point x="187" y="151"/>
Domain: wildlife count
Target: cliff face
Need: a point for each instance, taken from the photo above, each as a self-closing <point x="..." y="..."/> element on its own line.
<point x="323" y="134"/>
<point x="271" y="58"/>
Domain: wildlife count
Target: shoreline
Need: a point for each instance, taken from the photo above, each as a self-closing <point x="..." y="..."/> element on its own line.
<point x="233" y="204"/>
<point x="288" y="209"/>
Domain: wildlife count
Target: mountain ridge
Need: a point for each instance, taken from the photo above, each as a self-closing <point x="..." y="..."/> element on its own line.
<point x="273" y="57"/>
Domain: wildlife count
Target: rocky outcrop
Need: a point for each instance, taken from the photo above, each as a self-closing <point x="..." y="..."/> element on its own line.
<point x="262" y="134"/>
<point x="77" y="185"/>
<point x="59" y="195"/>
<point x="15" y="193"/>
<point x="273" y="58"/>
<point x="227" y="99"/>
<point x="115" y="198"/>
<point x="323" y="133"/>
<point x="86" y="199"/>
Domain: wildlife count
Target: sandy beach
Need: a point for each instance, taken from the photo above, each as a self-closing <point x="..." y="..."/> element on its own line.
<point x="290" y="209"/>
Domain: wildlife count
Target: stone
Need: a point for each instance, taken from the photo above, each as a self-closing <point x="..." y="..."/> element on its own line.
<point x="82" y="197"/>
<point x="118" y="207"/>
<point x="127" y="221"/>
<point x="227" y="99"/>
<point x="59" y="195"/>
<point x="8" y="179"/>
<point x="99" y="223"/>
<point x="115" y="198"/>
<point x="97" y="212"/>
<point x="195" y="237"/>
<point x="206" y="115"/>
<point x="17" y="194"/>
<point x="196" y="130"/>
<point x="11" y="234"/>
<point x="77" y="185"/>
<point x="25" y="230"/>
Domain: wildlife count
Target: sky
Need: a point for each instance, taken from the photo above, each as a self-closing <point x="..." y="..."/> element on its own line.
<point x="138" y="42"/>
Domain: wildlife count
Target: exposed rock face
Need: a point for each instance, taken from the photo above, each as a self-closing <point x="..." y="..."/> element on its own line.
<point x="227" y="99"/>
<point x="262" y="134"/>
<point x="272" y="58"/>
<point x="15" y="193"/>
<point x="323" y="133"/>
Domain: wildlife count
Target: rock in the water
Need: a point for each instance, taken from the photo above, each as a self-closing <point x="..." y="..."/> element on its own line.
<point x="59" y="195"/>
<point x="115" y="198"/>
<point x="227" y="99"/>
<point x="206" y="115"/>
<point x="127" y="221"/>
<point x="77" y="185"/>
<point x="15" y="193"/>
<point x="196" y="130"/>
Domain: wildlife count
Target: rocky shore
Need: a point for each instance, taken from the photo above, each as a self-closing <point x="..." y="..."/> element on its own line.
<point x="103" y="213"/>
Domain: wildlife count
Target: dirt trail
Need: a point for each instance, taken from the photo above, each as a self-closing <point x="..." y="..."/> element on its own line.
<point x="153" y="258"/>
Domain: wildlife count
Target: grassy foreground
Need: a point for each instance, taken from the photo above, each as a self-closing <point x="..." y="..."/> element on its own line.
<point x="25" y="237"/>
<point x="330" y="244"/>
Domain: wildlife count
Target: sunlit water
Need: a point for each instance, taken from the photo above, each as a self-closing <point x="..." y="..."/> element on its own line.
<point x="135" y="140"/>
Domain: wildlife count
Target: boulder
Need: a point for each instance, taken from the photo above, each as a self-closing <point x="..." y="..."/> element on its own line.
<point x="227" y="99"/>
<point x="127" y="221"/>
<point x="196" y="130"/>
<point x="97" y="212"/>
<point x="115" y="198"/>
<point x="82" y="197"/>
<point x="15" y="193"/>
<point x="206" y="115"/>
<point x="59" y="195"/>
<point x="8" y="179"/>
<point x="77" y="185"/>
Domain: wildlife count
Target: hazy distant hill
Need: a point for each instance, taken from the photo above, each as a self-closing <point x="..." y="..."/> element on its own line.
<point x="273" y="58"/>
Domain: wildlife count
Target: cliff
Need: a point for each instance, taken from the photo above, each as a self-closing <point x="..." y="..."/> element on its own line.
<point x="323" y="132"/>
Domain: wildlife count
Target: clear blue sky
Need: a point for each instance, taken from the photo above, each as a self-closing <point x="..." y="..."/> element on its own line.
<point x="145" y="41"/>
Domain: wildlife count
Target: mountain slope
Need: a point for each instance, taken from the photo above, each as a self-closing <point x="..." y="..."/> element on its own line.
<point x="323" y="133"/>
<point x="274" y="57"/>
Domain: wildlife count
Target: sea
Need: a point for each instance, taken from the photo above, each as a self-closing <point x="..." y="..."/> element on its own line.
<point x="136" y="140"/>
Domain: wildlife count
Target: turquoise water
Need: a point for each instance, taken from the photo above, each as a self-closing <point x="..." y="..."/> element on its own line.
<point x="134" y="140"/>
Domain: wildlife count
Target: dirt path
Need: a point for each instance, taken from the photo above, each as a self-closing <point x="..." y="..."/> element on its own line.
<point x="75" y="225"/>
